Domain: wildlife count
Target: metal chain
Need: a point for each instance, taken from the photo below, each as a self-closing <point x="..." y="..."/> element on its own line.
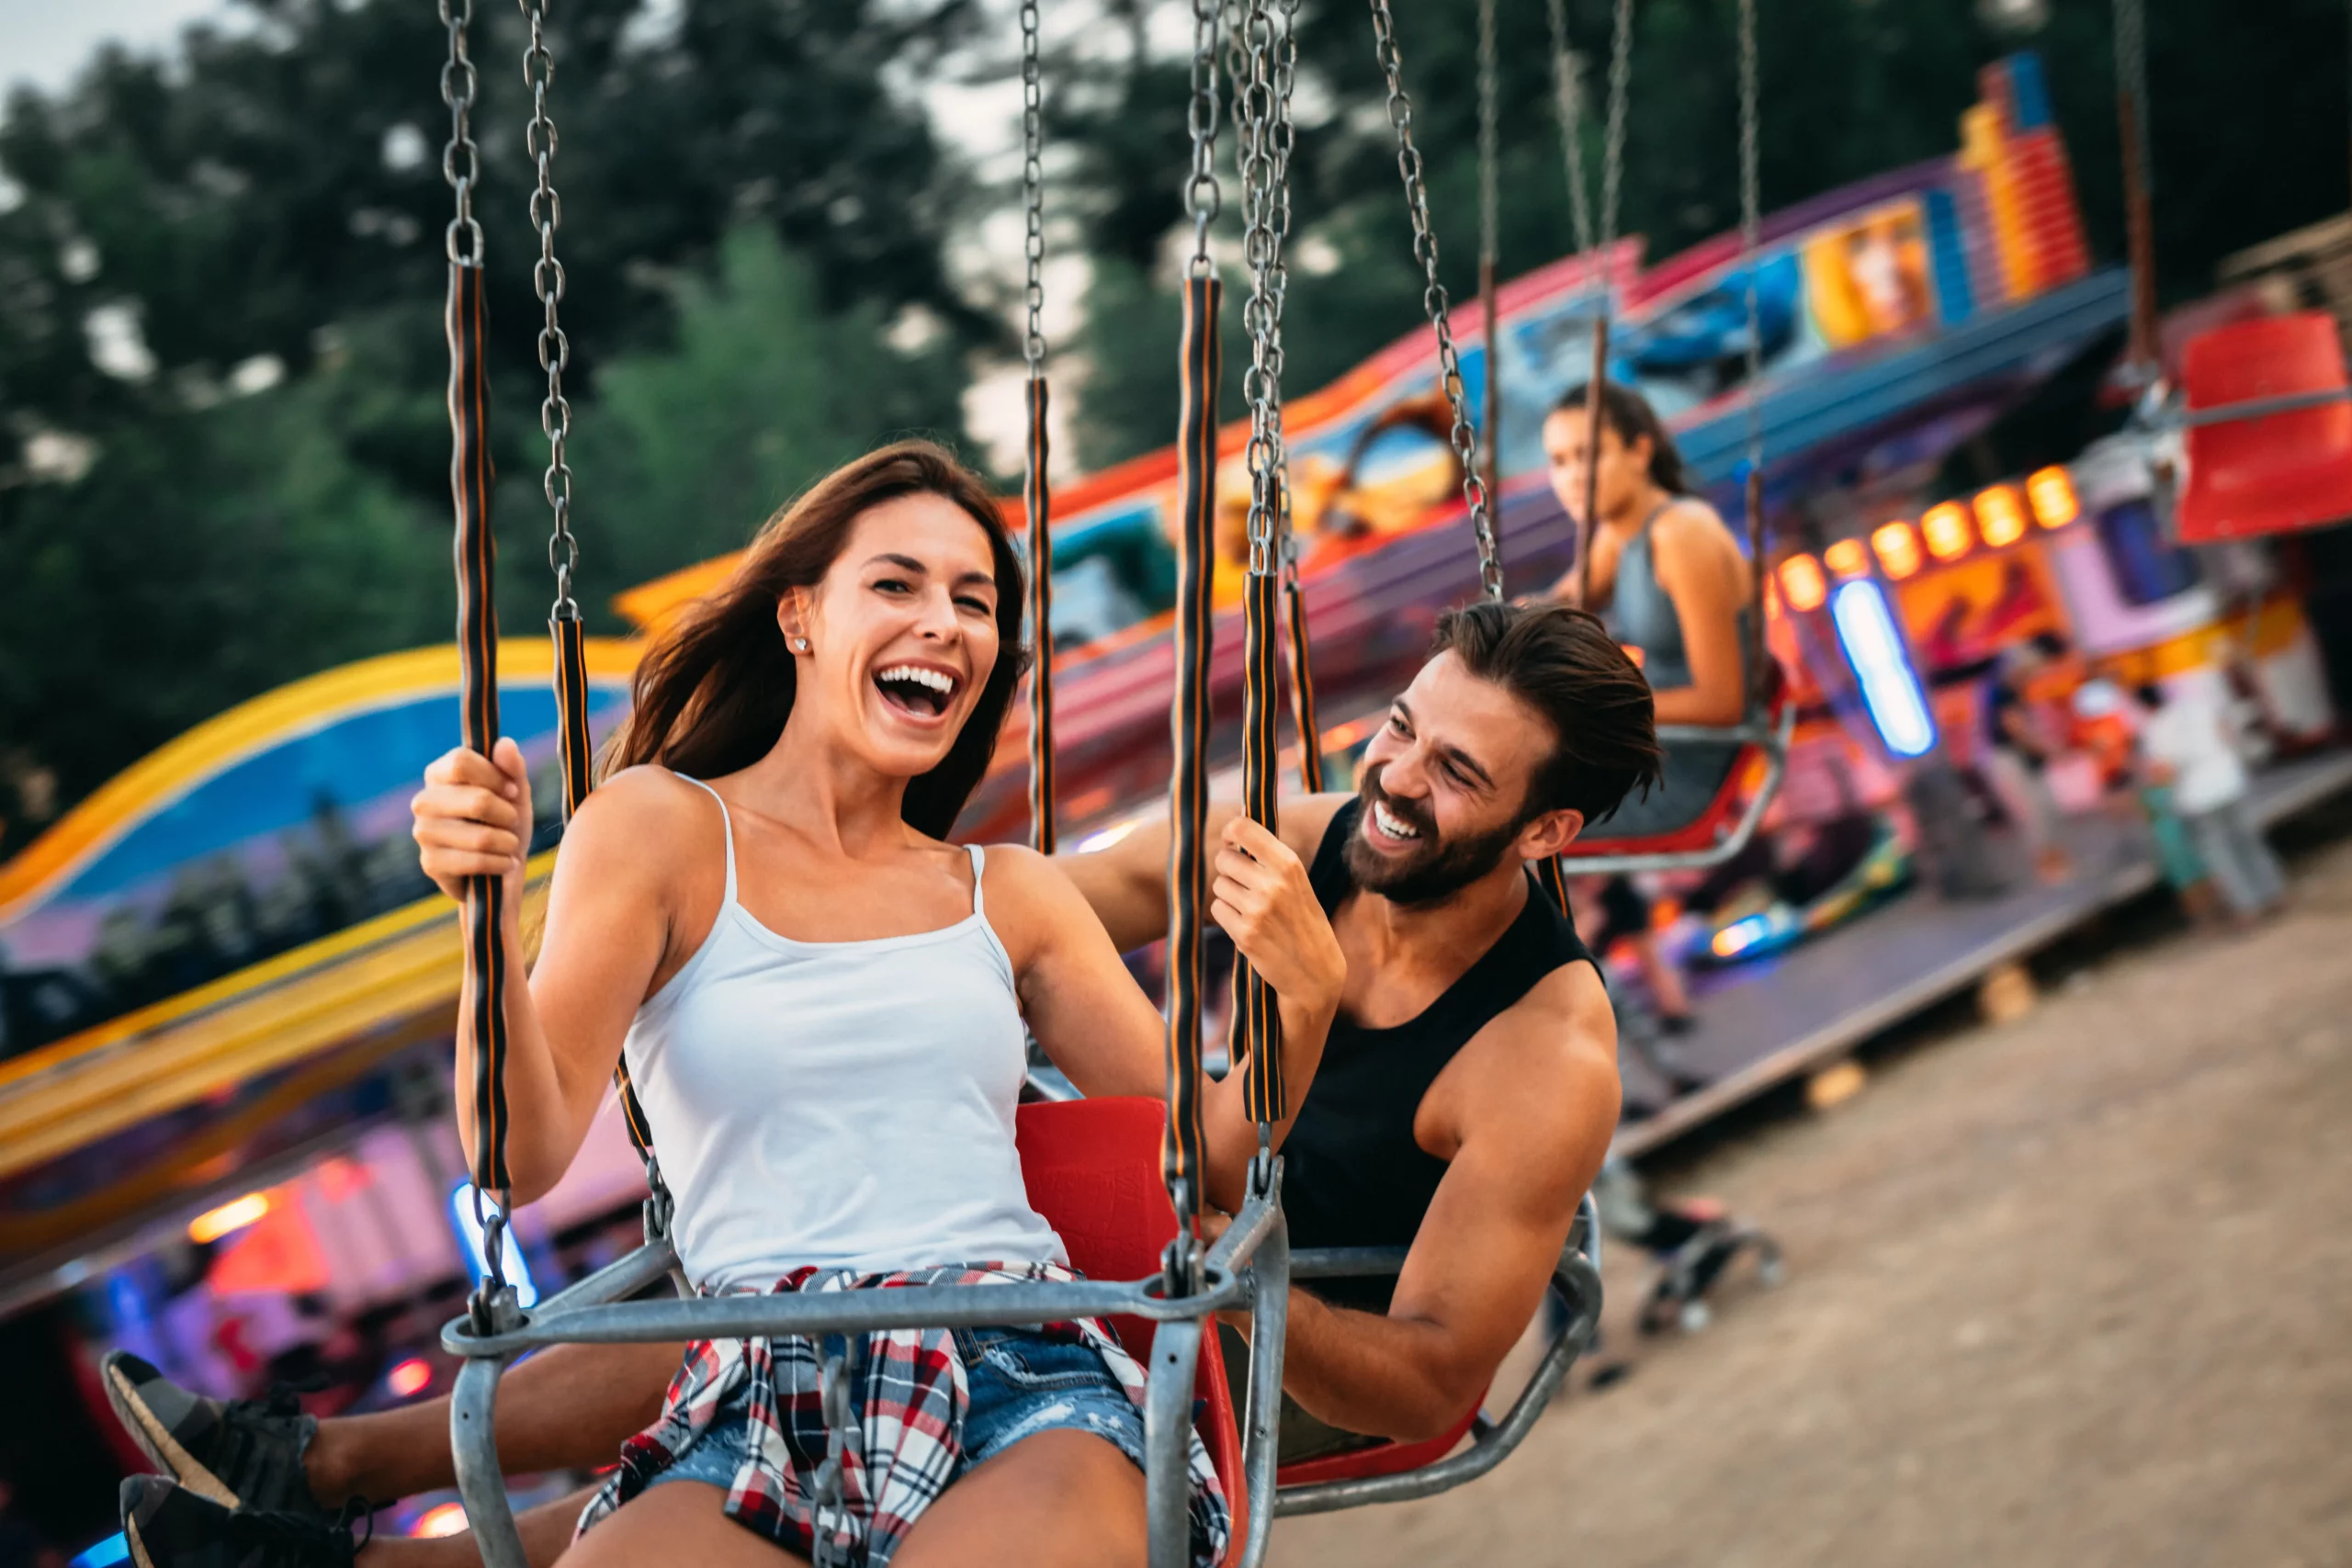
<point x="830" y="1510"/>
<point x="2131" y="72"/>
<point x="1613" y="154"/>
<point x="1033" y="187"/>
<point x="1204" y="199"/>
<point x="1262" y="99"/>
<point x="546" y="281"/>
<point x="1751" y="227"/>
<point x="461" y="160"/>
<point x="1567" y="90"/>
<point x="1489" y="144"/>
<point x="1463" y="435"/>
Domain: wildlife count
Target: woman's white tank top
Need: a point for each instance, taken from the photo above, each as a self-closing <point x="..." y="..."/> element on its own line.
<point x="843" y="1104"/>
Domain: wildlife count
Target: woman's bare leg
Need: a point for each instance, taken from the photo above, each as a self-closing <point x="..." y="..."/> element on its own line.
<point x="1061" y="1500"/>
<point x="569" y="1407"/>
<point x="683" y="1522"/>
<point x="546" y="1531"/>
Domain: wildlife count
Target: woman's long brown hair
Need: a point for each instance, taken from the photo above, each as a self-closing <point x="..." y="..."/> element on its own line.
<point x="713" y="692"/>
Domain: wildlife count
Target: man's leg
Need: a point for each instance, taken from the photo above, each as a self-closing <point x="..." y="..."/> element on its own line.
<point x="2264" y="871"/>
<point x="568" y="1407"/>
<point x="2223" y="856"/>
<point x="165" y="1523"/>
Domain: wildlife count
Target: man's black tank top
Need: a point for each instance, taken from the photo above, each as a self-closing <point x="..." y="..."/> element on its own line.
<point x="1352" y="1174"/>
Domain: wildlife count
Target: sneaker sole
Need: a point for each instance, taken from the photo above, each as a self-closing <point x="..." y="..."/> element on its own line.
<point x="163" y="1448"/>
<point x="138" y="1556"/>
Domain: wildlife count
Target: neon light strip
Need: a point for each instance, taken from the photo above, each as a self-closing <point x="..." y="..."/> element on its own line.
<point x="1891" y="690"/>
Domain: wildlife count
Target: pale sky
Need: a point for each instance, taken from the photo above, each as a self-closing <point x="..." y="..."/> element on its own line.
<point x="44" y="42"/>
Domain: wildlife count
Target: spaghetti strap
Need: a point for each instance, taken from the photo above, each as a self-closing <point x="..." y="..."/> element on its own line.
<point x="727" y="831"/>
<point x="980" y="868"/>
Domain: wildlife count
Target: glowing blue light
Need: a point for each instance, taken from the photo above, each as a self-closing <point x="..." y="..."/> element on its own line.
<point x="107" y="1552"/>
<point x="518" y="1268"/>
<point x="1741" y="934"/>
<point x="1898" y="707"/>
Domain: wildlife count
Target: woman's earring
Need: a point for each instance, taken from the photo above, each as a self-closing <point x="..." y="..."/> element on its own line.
<point x="800" y="643"/>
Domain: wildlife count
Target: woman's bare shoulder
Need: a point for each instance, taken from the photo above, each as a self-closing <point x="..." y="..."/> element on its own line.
<point x="636" y="809"/>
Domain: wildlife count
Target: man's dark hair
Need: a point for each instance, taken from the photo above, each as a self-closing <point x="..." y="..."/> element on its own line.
<point x="1564" y="665"/>
<point x="1629" y="413"/>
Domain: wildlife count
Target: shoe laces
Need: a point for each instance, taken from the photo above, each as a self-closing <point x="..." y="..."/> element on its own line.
<point x="342" y="1533"/>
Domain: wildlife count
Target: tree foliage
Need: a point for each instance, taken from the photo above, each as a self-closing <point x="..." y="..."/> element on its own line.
<point x="1849" y="87"/>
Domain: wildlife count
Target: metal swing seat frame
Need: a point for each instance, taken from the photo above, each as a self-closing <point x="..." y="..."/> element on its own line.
<point x="1250" y="1266"/>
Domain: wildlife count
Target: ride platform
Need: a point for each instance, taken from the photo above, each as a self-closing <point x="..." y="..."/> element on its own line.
<point x="1763" y="1023"/>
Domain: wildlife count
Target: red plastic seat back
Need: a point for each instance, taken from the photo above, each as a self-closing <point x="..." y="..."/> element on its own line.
<point x="1384" y="1458"/>
<point x="2283" y="470"/>
<point x="1092" y="1171"/>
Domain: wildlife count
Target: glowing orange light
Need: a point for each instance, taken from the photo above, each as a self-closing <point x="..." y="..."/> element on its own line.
<point x="1846" y="558"/>
<point x="1946" y="529"/>
<point x="1898" y="545"/>
<point x="214" y="1224"/>
<point x="2052" y="490"/>
<point x="442" y="1519"/>
<point x="410" y="1378"/>
<point x="1801" y="583"/>
<point x="2000" y="516"/>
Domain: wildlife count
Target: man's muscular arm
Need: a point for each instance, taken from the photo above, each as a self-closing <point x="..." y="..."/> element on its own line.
<point x="1534" y="1123"/>
<point x="1127" y="883"/>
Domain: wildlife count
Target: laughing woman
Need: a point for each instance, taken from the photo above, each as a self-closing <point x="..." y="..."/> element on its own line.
<point x="822" y="1004"/>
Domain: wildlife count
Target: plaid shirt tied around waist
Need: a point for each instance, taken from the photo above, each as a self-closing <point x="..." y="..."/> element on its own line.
<point x="905" y="1445"/>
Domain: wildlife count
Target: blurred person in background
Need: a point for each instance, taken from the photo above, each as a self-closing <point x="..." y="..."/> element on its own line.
<point x="2187" y="744"/>
<point x="2020" y="743"/>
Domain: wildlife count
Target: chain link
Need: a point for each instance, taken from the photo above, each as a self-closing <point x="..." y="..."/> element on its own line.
<point x="1033" y="187"/>
<point x="548" y="282"/>
<point x="829" y="1512"/>
<point x="1490" y="142"/>
<point x="1613" y="154"/>
<point x="1204" y="199"/>
<point x="1464" y="434"/>
<point x="461" y="160"/>
<point x="1265" y="70"/>
<point x="1567" y="87"/>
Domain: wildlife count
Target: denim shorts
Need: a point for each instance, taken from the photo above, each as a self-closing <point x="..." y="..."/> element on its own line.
<point x="1021" y="1383"/>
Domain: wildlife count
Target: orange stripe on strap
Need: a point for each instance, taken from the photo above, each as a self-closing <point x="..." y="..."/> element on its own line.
<point x="1202" y="365"/>
<point x="1037" y="502"/>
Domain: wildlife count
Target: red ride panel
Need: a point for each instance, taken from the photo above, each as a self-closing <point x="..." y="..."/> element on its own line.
<point x="1092" y="1171"/>
<point x="2280" y="473"/>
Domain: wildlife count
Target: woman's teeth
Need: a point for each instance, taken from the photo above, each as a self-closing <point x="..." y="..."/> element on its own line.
<point x="1391" y="826"/>
<point x="944" y="684"/>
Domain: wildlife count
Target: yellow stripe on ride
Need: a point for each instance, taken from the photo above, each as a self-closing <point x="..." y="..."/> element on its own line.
<point x="251" y="727"/>
<point x="388" y="971"/>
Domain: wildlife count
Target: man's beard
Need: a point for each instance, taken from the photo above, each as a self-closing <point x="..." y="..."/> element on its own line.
<point x="1435" y="868"/>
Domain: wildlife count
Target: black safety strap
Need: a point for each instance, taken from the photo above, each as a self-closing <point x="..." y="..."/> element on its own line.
<point x="1037" y="502"/>
<point x="1257" y="1023"/>
<point x="477" y="550"/>
<point x="1202" y="365"/>
<point x="1302" y="688"/>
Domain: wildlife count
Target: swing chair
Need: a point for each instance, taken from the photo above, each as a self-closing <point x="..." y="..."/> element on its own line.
<point x="1085" y="1163"/>
<point x="2262" y="415"/>
<point x="1731" y="817"/>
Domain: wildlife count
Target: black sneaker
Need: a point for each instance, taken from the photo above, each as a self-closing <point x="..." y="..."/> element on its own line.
<point x="245" y="1453"/>
<point x="164" y="1524"/>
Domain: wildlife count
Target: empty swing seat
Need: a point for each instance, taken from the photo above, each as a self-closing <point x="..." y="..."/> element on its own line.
<point x="2270" y="473"/>
<point x="1093" y="1169"/>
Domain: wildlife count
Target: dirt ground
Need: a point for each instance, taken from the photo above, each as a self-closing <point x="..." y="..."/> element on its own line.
<point x="2072" y="1291"/>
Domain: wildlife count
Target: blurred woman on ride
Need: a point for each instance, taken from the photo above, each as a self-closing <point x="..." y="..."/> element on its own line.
<point x="822" y="1004"/>
<point x="1673" y="584"/>
<point x="1671" y="581"/>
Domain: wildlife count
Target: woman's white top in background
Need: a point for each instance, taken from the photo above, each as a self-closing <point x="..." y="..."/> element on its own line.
<point x="842" y="1104"/>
